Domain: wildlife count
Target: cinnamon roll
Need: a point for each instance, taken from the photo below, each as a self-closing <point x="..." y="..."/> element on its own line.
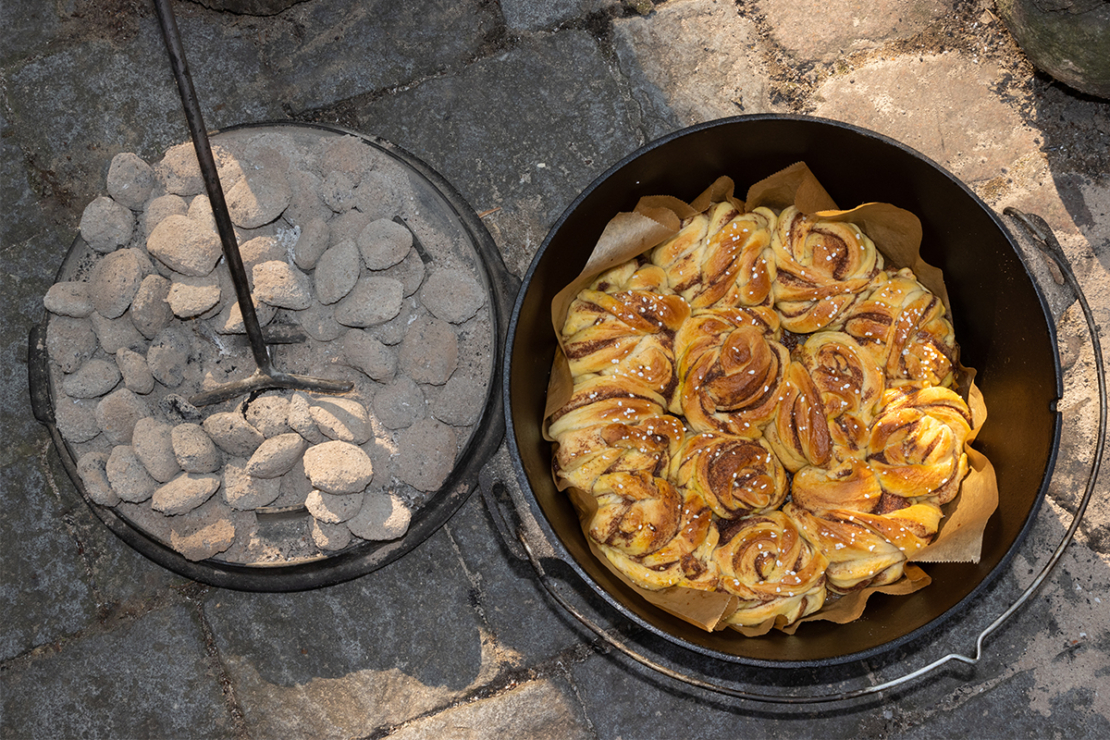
<point x="917" y="441"/>
<point x="904" y="327"/>
<point x="851" y="485"/>
<point x="733" y="265"/>
<point x="680" y="256"/>
<point x="612" y="424"/>
<point x="734" y="475"/>
<point x="764" y="560"/>
<point x="624" y="324"/>
<point x="866" y="549"/>
<point x="821" y="268"/>
<point x="653" y="533"/>
<point x="850" y="383"/>
<point x="729" y="373"/>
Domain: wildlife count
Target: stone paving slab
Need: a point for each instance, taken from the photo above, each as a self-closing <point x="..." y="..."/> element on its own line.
<point x="555" y="95"/>
<point x="519" y="104"/>
<point x="937" y="104"/>
<point x="540" y="710"/>
<point x="692" y="61"/>
<point x="524" y="623"/>
<point x="308" y="50"/>
<point x="43" y="595"/>
<point x="148" y="677"/>
<point x="344" y="660"/>
<point x="855" y="26"/>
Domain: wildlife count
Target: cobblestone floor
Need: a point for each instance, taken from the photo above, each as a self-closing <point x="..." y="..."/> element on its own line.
<point x="520" y="104"/>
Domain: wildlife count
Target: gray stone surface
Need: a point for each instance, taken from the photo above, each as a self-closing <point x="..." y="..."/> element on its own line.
<point x="693" y="61"/>
<point x="149" y="677"/>
<point x="519" y="104"/>
<point x="43" y="593"/>
<point x="352" y="672"/>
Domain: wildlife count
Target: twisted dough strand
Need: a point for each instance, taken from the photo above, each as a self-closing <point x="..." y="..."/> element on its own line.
<point x="850" y="384"/>
<point x="904" y="327"/>
<point x="917" y="443"/>
<point x="866" y="549"/>
<point x="624" y="324"/>
<point x="612" y="424"/>
<point x="729" y="373"/>
<point x="735" y="476"/>
<point x="733" y="265"/>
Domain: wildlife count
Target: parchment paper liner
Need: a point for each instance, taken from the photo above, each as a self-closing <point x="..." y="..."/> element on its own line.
<point x="897" y="235"/>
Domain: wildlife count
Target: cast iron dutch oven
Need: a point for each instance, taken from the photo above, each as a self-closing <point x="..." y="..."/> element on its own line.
<point x="1002" y="324"/>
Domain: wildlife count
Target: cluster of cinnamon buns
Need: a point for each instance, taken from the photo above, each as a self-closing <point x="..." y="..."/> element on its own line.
<point x="760" y="408"/>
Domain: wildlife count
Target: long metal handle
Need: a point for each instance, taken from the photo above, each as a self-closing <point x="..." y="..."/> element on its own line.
<point x="1046" y="240"/>
<point x="176" y="51"/>
<point x="267" y="376"/>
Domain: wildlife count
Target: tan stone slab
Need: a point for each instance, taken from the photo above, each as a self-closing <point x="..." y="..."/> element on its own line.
<point x="824" y="30"/>
<point x="942" y="105"/>
<point x="537" y="710"/>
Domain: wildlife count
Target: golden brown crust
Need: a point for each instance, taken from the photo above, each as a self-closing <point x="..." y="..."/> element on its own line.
<point x="655" y="535"/>
<point x="850" y="384"/>
<point x="917" y="443"/>
<point x="611" y="424"/>
<point x="866" y="549"/>
<point x="904" y="327"/>
<point x="852" y="485"/>
<point x="764" y="560"/>
<point x="624" y="324"/>
<point x="729" y="375"/>
<point x="799" y="434"/>
<point x="732" y="265"/>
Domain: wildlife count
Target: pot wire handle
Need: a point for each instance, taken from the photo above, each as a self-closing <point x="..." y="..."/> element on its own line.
<point x="1046" y="240"/>
<point x="503" y="515"/>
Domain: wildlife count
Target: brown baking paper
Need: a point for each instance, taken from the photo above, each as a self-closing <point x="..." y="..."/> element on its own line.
<point x="897" y="234"/>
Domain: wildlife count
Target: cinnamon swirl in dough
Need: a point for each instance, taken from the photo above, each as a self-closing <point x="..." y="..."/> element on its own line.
<point x="917" y="443"/>
<point x="736" y="476"/>
<point x="654" y="534"/>
<point x="624" y="324"/>
<point x="775" y="571"/>
<point x="729" y="371"/>
<point x="760" y="408"/>
<point x="866" y="549"/>
<point x="903" y="325"/>
<point x="612" y="424"/>
<point x="722" y="258"/>
<point x="821" y="269"/>
<point x="850" y="383"/>
<point x="799" y="434"/>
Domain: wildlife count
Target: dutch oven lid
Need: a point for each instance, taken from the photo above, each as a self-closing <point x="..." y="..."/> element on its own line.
<point x="449" y="243"/>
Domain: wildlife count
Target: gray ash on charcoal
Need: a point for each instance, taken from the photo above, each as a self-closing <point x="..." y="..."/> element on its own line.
<point x="339" y="254"/>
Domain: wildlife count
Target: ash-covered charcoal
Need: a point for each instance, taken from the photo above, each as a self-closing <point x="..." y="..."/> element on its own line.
<point x="361" y="285"/>
<point x="178" y="410"/>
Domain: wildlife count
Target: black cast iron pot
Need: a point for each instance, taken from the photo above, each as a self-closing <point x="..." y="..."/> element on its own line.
<point x="1001" y="320"/>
